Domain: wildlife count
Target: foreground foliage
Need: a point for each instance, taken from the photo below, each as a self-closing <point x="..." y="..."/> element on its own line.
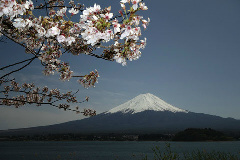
<point x="168" y="154"/>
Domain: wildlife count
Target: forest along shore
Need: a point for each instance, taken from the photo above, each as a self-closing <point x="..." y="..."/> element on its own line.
<point x="190" y="134"/>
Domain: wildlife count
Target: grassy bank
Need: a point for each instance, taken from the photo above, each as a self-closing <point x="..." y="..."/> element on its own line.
<point x="168" y="154"/>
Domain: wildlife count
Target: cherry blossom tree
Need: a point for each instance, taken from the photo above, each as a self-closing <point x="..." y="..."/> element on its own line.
<point x="47" y="37"/>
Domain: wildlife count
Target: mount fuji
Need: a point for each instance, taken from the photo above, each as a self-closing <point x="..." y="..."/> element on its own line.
<point x="144" y="114"/>
<point x="145" y="102"/>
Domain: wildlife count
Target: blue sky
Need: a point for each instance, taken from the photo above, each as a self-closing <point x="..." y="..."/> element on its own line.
<point x="191" y="61"/>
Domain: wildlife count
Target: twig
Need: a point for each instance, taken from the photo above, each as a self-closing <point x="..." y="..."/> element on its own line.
<point x="118" y="16"/>
<point x="77" y="76"/>
<point x="95" y="55"/>
<point x="58" y="7"/>
<point x="15" y="64"/>
<point x="19" y="68"/>
<point x="1" y="40"/>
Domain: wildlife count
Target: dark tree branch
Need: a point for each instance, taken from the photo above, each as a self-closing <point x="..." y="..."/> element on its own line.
<point x="77" y="76"/>
<point x="19" y="68"/>
<point x="1" y="40"/>
<point x="97" y="56"/>
<point x="15" y="64"/>
<point x="40" y="47"/>
<point x="44" y="6"/>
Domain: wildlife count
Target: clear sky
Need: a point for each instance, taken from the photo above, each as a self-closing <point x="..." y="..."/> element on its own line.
<point x="191" y="61"/>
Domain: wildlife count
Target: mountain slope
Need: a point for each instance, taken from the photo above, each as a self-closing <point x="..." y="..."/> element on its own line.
<point x="143" y="122"/>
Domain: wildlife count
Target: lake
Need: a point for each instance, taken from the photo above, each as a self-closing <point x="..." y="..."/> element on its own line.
<point x="102" y="150"/>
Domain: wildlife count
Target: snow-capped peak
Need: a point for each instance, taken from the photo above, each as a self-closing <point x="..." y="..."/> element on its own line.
<point x="145" y="102"/>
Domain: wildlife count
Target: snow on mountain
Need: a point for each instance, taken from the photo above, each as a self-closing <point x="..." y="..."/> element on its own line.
<point x="145" y="102"/>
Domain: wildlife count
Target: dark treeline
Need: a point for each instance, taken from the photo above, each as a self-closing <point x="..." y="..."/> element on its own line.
<point x="206" y="134"/>
<point x="95" y="137"/>
<point x="190" y="134"/>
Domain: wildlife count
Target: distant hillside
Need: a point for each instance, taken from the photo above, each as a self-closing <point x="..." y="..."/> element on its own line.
<point x="196" y="134"/>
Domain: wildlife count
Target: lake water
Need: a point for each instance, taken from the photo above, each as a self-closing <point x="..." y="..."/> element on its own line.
<point x="98" y="150"/>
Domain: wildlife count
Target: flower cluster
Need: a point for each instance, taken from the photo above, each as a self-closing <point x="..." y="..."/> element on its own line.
<point x="90" y="79"/>
<point x="48" y="37"/>
<point x="96" y="28"/>
<point x="89" y="112"/>
<point x="12" y="9"/>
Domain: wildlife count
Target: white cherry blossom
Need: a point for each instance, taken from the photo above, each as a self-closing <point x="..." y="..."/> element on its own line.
<point x="41" y="31"/>
<point x="137" y="19"/>
<point x="70" y="40"/>
<point x="142" y="6"/>
<point x="19" y="23"/>
<point x="29" y="23"/>
<point x="135" y="4"/>
<point x="120" y="59"/>
<point x="143" y="43"/>
<point x="107" y="35"/>
<point x="54" y="31"/>
<point x="73" y="11"/>
<point x="96" y="8"/>
<point x="61" y="38"/>
<point x="123" y="6"/>
<point x="29" y="5"/>
<point x="127" y="32"/>
<point x="62" y="11"/>
<point x="107" y="16"/>
<point x="116" y="27"/>
<point x="125" y="1"/>
<point x="145" y="23"/>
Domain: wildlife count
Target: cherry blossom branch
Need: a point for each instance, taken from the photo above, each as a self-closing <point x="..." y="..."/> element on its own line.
<point x="12" y="39"/>
<point x="38" y="93"/>
<point x="35" y="95"/>
<point x="86" y="112"/>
